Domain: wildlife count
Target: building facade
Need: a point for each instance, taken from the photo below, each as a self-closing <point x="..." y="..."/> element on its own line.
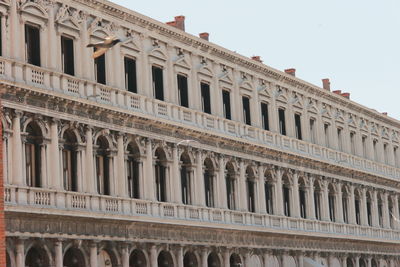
<point x="173" y="151"/>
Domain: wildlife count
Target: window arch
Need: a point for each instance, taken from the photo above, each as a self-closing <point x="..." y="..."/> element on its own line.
<point x="209" y="174"/>
<point x="186" y="179"/>
<point x="132" y="170"/>
<point x="213" y="260"/>
<point x="160" y="172"/>
<point x="36" y="257"/>
<point x="235" y="260"/>
<point x="137" y="259"/>
<point x="190" y="260"/>
<point x="73" y="257"/>
<point x="251" y="189"/>
<point x="165" y="259"/>
<point x="69" y="161"/>
<point x="34" y="155"/>
<point x="230" y="178"/>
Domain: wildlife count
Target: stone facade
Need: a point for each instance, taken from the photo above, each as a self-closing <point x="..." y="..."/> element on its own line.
<point x="173" y="151"/>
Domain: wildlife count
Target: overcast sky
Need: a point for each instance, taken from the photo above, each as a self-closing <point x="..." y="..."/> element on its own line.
<point x="355" y="43"/>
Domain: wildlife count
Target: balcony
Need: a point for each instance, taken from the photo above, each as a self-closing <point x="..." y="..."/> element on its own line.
<point x="78" y="89"/>
<point x="38" y="200"/>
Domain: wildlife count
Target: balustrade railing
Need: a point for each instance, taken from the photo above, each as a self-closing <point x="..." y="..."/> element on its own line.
<point x="26" y="199"/>
<point x="102" y="94"/>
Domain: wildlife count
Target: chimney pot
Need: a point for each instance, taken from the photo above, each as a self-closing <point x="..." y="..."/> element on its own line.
<point x="346" y="95"/>
<point x="326" y="84"/>
<point x="256" y="58"/>
<point x="385" y="113"/>
<point x="178" y="23"/>
<point x="204" y="36"/>
<point x="338" y="92"/>
<point x="291" y="71"/>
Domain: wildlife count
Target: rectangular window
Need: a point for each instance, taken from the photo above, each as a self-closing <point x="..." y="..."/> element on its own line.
<point x="352" y="143"/>
<point x="369" y="213"/>
<point x="312" y="131"/>
<point x="268" y="197"/>
<point x="297" y="124"/>
<point x="32" y="45"/>
<point x="326" y="133"/>
<point x="205" y="97"/>
<point x="364" y="145"/>
<point x="385" y="153"/>
<point x="100" y="68"/>
<point x="317" y="205"/>
<point x="226" y="99"/>
<point x="357" y="205"/>
<point x="345" y="211"/>
<point x="339" y="137"/>
<point x="374" y="146"/>
<point x="209" y="188"/>
<point x="396" y="156"/>
<point x="130" y="75"/>
<point x="286" y="201"/>
<point x="246" y="110"/>
<point x="331" y="199"/>
<point x="302" y="195"/>
<point x="251" y="196"/>
<point x="282" y="122"/>
<point x="158" y="83"/>
<point x="264" y="116"/>
<point x="183" y="91"/>
<point x="67" y="55"/>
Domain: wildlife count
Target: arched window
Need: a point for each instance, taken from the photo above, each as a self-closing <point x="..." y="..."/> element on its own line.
<point x="269" y="193"/>
<point x="286" y="195"/>
<point x="33" y="155"/>
<point x="357" y="203"/>
<point x="165" y="259"/>
<point x="369" y="209"/>
<point x="69" y="161"/>
<point x="390" y="212"/>
<point x="374" y="263"/>
<point x="303" y="198"/>
<point x="209" y="183"/>
<point x="251" y="190"/>
<point x="186" y="181"/>
<point x="137" y="259"/>
<point x="102" y="166"/>
<point x="160" y="175"/>
<point x="331" y="202"/>
<point x="235" y="261"/>
<point x="132" y="170"/>
<point x="317" y="200"/>
<point x="106" y="259"/>
<point x="190" y="260"/>
<point x="380" y="211"/>
<point x="362" y="263"/>
<point x="213" y="260"/>
<point x="73" y="257"/>
<point x="349" y="262"/>
<point x="36" y="257"/>
<point x="230" y="186"/>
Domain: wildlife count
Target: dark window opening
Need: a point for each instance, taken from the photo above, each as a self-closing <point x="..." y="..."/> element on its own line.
<point x="286" y="200"/>
<point x="251" y="196"/>
<point x="317" y="205"/>
<point x="205" y="98"/>
<point x="352" y="143"/>
<point x="133" y="177"/>
<point x="282" y="121"/>
<point x="160" y="182"/>
<point x="312" y="131"/>
<point x="67" y="55"/>
<point x="357" y="206"/>
<point x="130" y="75"/>
<point x="209" y="188"/>
<point x="302" y="196"/>
<point x="345" y="210"/>
<point x="364" y="145"/>
<point x="185" y="184"/>
<point x="100" y="68"/>
<point x="183" y="91"/>
<point x="326" y="133"/>
<point x="369" y="213"/>
<point x="158" y="83"/>
<point x="226" y="99"/>
<point x="297" y="122"/>
<point x="32" y="45"/>
<point x="380" y="214"/>
<point x="264" y="116"/>
<point x="268" y="197"/>
<point x="246" y="110"/>
<point x="230" y="190"/>
<point x="374" y="145"/>
<point x="69" y="161"/>
<point x="340" y="140"/>
<point x="331" y="200"/>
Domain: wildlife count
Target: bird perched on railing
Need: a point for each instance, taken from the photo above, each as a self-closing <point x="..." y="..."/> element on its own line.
<point x="104" y="46"/>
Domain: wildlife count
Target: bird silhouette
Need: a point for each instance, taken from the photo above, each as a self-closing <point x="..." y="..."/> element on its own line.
<point x="102" y="47"/>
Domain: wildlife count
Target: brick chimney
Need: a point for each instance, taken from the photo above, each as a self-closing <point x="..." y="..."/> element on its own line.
<point x="346" y="95"/>
<point x="178" y="23"/>
<point x="291" y="72"/>
<point x="338" y="92"/>
<point x="326" y="84"/>
<point x="385" y="113"/>
<point x="256" y="58"/>
<point x="204" y="35"/>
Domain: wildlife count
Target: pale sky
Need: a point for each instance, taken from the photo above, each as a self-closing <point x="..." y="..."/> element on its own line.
<point x="355" y="43"/>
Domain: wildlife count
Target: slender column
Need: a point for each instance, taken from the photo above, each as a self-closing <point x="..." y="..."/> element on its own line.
<point x="204" y="258"/>
<point x="247" y="260"/>
<point x="357" y="261"/>
<point x="278" y="203"/>
<point x="325" y="201"/>
<point x="300" y="258"/>
<point x="261" y="190"/>
<point x="199" y="180"/>
<point x="352" y="207"/>
<point x="369" y="262"/>
<point x="339" y="203"/>
<point x="242" y="188"/>
<point x="58" y="253"/>
<point x="86" y="62"/>
<point x="396" y="212"/>
<point x="295" y="201"/>
<point x="226" y="257"/>
<point x="385" y="210"/>
<point x="375" y="213"/>
<point x="20" y="253"/>
<point x="90" y="184"/>
<point x="125" y="255"/>
<point x="17" y="178"/>
<point x="274" y="122"/>
<point x="93" y="255"/>
<point x="149" y="193"/>
<point x="344" y="261"/>
<point x="15" y="31"/>
<point x="363" y="209"/>
<point x="179" y="256"/>
<point x="44" y="165"/>
<point x="222" y="184"/>
<point x="54" y="159"/>
<point x="121" y="186"/>
<point x="153" y="256"/>
<point x="176" y="176"/>
<point x="52" y="44"/>
<point x="311" y="207"/>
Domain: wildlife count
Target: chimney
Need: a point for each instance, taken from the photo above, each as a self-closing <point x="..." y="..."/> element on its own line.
<point x="256" y="58"/>
<point x="178" y="23"/>
<point x="385" y="113"/>
<point x="204" y="35"/>
<point x="291" y="72"/>
<point x="338" y="92"/>
<point x="346" y="95"/>
<point x="326" y="84"/>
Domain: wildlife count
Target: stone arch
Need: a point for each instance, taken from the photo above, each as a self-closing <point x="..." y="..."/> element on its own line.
<point x="288" y="261"/>
<point x="165" y="259"/>
<point x="374" y="263"/>
<point x="104" y="137"/>
<point x="135" y="143"/>
<point x="138" y="258"/>
<point x="214" y="260"/>
<point x="34" y="9"/>
<point x="350" y="262"/>
<point x="37" y="256"/>
<point x="255" y="261"/>
<point x="74" y="257"/>
<point x="272" y="261"/>
<point x="383" y="263"/>
<point x="72" y="130"/>
<point x="363" y="262"/>
<point x="39" y="124"/>
<point x="235" y="260"/>
<point x="106" y="258"/>
<point x="190" y="259"/>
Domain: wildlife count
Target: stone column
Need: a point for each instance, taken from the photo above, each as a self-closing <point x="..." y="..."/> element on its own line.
<point x="339" y="203"/>
<point x="300" y="259"/>
<point x="310" y="203"/>
<point x="369" y="262"/>
<point x="149" y="193"/>
<point x="125" y="255"/>
<point x="278" y="203"/>
<point x="121" y="181"/>
<point x="242" y="188"/>
<point x="153" y="256"/>
<point x="15" y="30"/>
<point x="295" y="199"/>
<point x="93" y="255"/>
<point x="325" y="201"/>
<point x="375" y="213"/>
<point x="352" y="207"/>
<point x="199" y="181"/>
<point x="20" y="253"/>
<point x="17" y="178"/>
<point x="90" y="185"/>
<point x="204" y="258"/>
<point x="261" y="190"/>
<point x="58" y="253"/>
<point x="226" y="257"/>
<point x="344" y="261"/>
<point x="87" y="61"/>
<point x="363" y="208"/>
<point x="247" y="260"/>
<point x="176" y="176"/>
<point x="385" y="210"/>
<point x="54" y="160"/>
<point x="222" y="197"/>
<point x="357" y="261"/>
<point x="396" y="224"/>
<point x="179" y="256"/>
